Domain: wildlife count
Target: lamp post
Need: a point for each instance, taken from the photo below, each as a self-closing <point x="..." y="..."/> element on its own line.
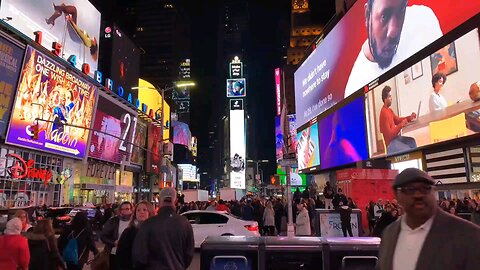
<point x="257" y="170"/>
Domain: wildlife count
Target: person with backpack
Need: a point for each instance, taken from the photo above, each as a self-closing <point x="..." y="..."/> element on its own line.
<point x="76" y="242"/>
<point x="44" y="254"/>
<point x="328" y="194"/>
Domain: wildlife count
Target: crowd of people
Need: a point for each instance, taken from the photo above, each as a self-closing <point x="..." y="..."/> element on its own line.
<point x="127" y="245"/>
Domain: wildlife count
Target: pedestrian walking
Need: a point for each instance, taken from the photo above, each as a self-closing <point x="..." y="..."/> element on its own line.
<point x="143" y="211"/>
<point x="269" y="219"/>
<point x="76" y="242"/>
<point x="426" y="237"/>
<point x="14" y="254"/>
<point x="113" y="229"/>
<point x="166" y="240"/>
<point x="44" y="254"/>
<point x="302" y="225"/>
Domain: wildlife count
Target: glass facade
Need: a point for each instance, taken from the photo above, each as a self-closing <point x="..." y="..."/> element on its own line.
<point x="28" y="190"/>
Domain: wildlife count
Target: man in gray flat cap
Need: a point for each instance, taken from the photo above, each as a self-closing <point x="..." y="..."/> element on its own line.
<point x="426" y="237"/>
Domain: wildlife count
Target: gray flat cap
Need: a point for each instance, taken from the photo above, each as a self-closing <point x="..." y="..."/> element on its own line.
<point x="411" y="175"/>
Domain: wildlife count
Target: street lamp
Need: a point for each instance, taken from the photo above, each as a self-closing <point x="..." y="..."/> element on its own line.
<point x="257" y="170"/>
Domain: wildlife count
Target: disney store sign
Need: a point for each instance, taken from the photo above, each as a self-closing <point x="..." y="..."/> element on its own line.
<point x="26" y="169"/>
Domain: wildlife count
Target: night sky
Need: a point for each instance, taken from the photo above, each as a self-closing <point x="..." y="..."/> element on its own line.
<point x="268" y="33"/>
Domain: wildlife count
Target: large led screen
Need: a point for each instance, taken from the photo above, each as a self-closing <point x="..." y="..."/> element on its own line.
<point x="430" y="102"/>
<point x="114" y="133"/>
<point x="63" y="101"/>
<point x="182" y="134"/>
<point x="153" y="143"/>
<point x="279" y="138"/>
<point x="73" y="23"/>
<point x="125" y="65"/>
<point x="10" y="64"/>
<point x="237" y="149"/>
<point x="279" y="144"/>
<point x="348" y="58"/>
<point x="236" y="87"/>
<point x="343" y="136"/>
<point x="308" y="148"/>
<point x="139" y="143"/>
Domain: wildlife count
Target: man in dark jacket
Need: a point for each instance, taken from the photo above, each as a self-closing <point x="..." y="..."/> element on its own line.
<point x="339" y="197"/>
<point x="113" y="229"/>
<point x="166" y="240"/>
<point x="345" y="218"/>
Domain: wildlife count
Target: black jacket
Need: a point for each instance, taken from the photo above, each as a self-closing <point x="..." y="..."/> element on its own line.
<point x="84" y="241"/>
<point x="44" y="254"/>
<point x="124" y="249"/>
<point x="110" y="232"/>
<point x="345" y="214"/>
<point x="163" y="242"/>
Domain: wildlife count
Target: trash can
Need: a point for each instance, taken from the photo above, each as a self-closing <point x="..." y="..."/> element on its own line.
<point x="350" y="253"/>
<point x="284" y="253"/>
<point x="230" y="252"/>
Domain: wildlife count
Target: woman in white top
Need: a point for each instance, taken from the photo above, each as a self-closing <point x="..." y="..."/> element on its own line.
<point x="269" y="219"/>
<point x="303" y="221"/>
<point x="437" y="101"/>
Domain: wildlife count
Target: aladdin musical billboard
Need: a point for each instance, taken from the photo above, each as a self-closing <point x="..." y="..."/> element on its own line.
<point x="114" y="133"/>
<point x="61" y="100"/>
<point x="10" y="60"/>
<point x="371" y="39"/>
<point x="75" y="24"/>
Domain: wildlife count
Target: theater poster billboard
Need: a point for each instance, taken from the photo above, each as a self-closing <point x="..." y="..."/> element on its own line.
<point x="73" y="23"/>
<point x="61" y="102"/>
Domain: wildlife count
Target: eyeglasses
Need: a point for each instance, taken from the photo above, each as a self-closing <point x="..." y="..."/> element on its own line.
<point x="410" y="190"/>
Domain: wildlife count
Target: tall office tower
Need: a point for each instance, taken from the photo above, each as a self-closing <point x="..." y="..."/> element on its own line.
<point x="232" y="40"/>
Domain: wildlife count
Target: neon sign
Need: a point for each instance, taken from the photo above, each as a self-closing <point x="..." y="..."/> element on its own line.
<point x="25" y="169"/>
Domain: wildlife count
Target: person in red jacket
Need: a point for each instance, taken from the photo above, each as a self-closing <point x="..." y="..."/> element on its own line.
<point x="391" y="125"/>
<point x="222" y="206"/>
<point x="14" y="247"/>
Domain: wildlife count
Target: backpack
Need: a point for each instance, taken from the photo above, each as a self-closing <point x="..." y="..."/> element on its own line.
<point x="70" y="253"/>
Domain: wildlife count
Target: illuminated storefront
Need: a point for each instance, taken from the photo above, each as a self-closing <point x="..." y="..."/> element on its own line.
<point x="29" y="178"/>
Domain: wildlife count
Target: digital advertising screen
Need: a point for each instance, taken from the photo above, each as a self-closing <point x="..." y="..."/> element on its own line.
<point x="125" y="65"/>
<point x="278" y="139"/>
<point x="10" y="63"/>
<point x="436" y="99"/>
<point x="296" y="178"/>
<point x="308" y="148"/>
<point x="343" y="137"/>
<point x="60" y="99"/>
<point x="368" y="41"/>
<point x="237" y="148"/>
<point x="139" y="143"/>
<point x="236" y="87"/>
<point x="73" y="23"/>
<point x="115" y="130"/>
<point x="182" y="134"/>
<point x="153" y="143"/>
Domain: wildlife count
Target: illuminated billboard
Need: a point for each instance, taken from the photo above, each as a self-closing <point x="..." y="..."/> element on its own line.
<point x="278" y="95"/>
<point x="189" y="173"/>
<point x="60" y="99"/>
<point x="308" y="147"/>
<point x="139" y="143"/>
<point x="280" y="138"/>
<point x="124" y="65"/>
<point x="237" y="145"/>
<point x="182" y="134"/>
<point x="432" y="101"/>
<point x="75" y="24"/>
<point x="359" y="49"/>
<point x="151" y="104"/>
<point x="236" y="87"/>
<point x="296" y="179"/>
<point x="114" y="134"/>
<point x="153" y="145"/>
<point x="10" y="61"/>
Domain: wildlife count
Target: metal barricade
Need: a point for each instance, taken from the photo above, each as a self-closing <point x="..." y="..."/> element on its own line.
<point x="349" y="253"/>
<point x="230" y="252"/>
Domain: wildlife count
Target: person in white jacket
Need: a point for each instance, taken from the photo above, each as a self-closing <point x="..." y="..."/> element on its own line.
<point x="269" y="219"/>
<point x="303" y="221"/>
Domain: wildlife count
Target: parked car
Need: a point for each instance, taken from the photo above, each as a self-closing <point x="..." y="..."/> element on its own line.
<point x="217" y="223"/>
<point x="60" y="217"/>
